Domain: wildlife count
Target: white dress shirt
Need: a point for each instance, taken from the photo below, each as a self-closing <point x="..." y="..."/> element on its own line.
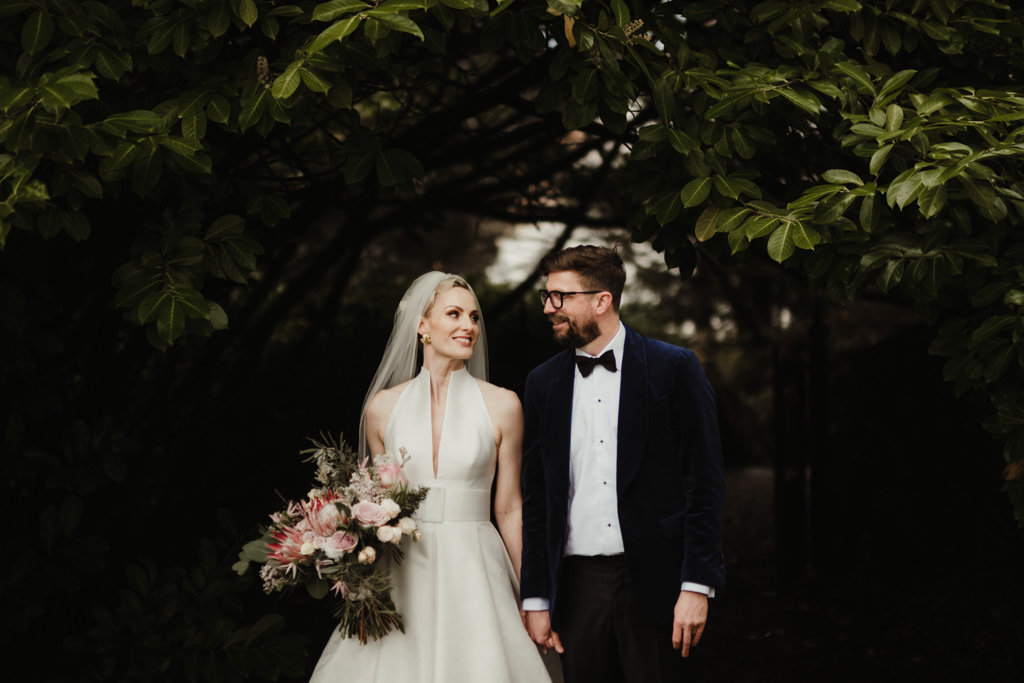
<point x="593" y="498"/>
<point x="593" y="445"/>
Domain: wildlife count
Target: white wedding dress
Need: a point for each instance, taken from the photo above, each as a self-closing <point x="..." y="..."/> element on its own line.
<point x="455" y="589"/>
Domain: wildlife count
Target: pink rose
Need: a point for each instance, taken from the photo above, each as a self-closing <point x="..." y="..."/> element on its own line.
<point x="340" y="543"/>
<point x="391" y="475"/>
<point x="369" y="513"/>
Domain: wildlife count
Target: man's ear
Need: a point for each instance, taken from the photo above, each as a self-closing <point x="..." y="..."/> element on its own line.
<point x="604" y="303"/>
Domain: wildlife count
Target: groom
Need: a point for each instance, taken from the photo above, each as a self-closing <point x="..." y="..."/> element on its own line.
<point x="622" y="486"/>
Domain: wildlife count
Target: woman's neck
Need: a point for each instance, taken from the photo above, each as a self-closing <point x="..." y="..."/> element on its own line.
<point x="441" y="369"/>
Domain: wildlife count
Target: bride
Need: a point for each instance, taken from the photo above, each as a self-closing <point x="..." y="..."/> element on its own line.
<point x="456" y="588"/>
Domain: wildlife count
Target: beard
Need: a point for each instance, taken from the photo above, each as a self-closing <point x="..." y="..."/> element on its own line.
<point x="576" y="334"/>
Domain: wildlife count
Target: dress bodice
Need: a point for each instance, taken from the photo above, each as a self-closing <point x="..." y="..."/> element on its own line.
<point x="466" y="454"/>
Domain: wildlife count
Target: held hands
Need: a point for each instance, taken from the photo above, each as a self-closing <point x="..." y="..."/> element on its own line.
<point x="538" y="625"/>
<point x="690" y="617"/>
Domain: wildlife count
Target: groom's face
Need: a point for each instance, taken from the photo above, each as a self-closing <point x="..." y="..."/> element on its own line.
<point x="575" y="323"/>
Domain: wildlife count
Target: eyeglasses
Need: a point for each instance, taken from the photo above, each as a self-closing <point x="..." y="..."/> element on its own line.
<point x="558" y="298"/>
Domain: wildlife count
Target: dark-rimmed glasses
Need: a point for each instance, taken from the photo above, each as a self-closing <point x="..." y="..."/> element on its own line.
<point x="558" y="298"/>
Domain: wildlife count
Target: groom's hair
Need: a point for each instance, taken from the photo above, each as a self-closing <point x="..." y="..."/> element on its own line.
<point x="599" y="268"/>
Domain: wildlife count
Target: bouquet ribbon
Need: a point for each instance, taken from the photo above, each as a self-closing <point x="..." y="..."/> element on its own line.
<point x="455" y="505"/>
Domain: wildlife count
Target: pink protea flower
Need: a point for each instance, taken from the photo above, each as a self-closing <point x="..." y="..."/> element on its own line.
<point x="322" y="514"/>
<point x="288" y="546"/>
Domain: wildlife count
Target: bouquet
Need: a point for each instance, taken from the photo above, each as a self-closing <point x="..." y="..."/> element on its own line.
<point x="341" y="537"/>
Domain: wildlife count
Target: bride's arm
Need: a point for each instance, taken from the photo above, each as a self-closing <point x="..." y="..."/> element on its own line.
<point x="377" y="412"/>
<point x="508" y="497"/>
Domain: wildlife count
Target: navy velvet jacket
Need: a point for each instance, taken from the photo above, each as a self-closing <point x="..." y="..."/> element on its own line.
<point x="669" y="474"/>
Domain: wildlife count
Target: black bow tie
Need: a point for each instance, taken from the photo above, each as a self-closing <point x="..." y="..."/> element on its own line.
<point x="586" y="364"/>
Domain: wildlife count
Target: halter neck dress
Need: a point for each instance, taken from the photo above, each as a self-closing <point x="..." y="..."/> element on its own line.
<point x="456" y="588"/>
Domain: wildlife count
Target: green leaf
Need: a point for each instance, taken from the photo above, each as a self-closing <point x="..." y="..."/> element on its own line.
<point x="758" y="226"/>
<point x="804" y="237"/>
<point x="253" y="107"/>
<point x="219" y="109"/>
<point x="869" y="213"/>
<point x="401" y="23"/>
<point x="891" y="274"/>
<point x="843" y="5"/>
<point x="219" y="19"/>
<point x="111" y="64"/>
<point x="705" y="226"/>
<point x="226" y="225"/>
<point x="878" y="159"/>
<point x="63" y="93"/>
<point x="727" y="186"/>
<point x="335" y="31"/>
<point x="288" y="82"/>
<point x="833" y="208"/>
<point x="217" y="317"/>
<point x="681" y="142"/>
<point x="932" y="200"/>
<point x="896" y="82"/>
<point x="665" y="207"/>
<point x="329" y="11"/>
<point x="730" y="219"/>
<point x="934" y="102"/>
<point x="137" y="121"/>
<point x="841" y="176"/>
<point x="621" y="11"/>
<point x="695" y="192"/>
<point x="248" y="12"/>
<point x="396" y="166"/>
<point x="780" y="244"/>
<point x="993" y="326"/>
<point x="14" y="96"/>
<point x="804" y="99"/>
<point x="37" y="32"/>
<point x="313" y="81"/>
<point x="317" y="589"/>
<point x="858" y="74"/>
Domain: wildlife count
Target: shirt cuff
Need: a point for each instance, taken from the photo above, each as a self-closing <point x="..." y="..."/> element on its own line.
<point x="536" y="604"/>
<point x="689" y="586"/>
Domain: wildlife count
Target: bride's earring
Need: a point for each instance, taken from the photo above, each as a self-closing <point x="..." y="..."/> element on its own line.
<point x="425" y="339"/>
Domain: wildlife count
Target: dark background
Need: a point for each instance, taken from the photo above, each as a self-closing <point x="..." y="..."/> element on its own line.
<point x="867" y="537"/>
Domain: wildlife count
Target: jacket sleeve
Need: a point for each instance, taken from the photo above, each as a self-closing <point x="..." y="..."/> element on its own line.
<point x="704" y="481"/>
<point x="535" y="582"/>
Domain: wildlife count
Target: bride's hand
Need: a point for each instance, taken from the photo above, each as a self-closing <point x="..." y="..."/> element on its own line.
<point x="538" y="625"/>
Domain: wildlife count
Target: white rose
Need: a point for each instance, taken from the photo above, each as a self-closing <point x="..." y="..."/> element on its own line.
<point x="367" y="555"/>
<point x="386" y="534"/>
<point x="307" y="548"/>
<point x="391" y="507"/>
<point x="407" y="525"/>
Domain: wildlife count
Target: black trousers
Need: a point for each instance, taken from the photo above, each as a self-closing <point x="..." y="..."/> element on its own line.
<point x="607" y="638"/>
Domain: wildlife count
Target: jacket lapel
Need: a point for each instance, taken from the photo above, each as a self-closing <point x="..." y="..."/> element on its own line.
<point x="558" y="417"/>
<point x="633" y="410"/>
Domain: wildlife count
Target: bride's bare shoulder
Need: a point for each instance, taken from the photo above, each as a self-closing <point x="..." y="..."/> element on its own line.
<point x="498" y="399"/>
<point x="383" y="402"/>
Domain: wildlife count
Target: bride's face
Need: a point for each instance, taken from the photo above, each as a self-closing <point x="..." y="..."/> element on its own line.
<point x="453" y="324"/>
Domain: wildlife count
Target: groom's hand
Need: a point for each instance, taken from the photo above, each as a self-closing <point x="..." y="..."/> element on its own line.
<point x="690" y="616"/>
<point x="538" y="625"/>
